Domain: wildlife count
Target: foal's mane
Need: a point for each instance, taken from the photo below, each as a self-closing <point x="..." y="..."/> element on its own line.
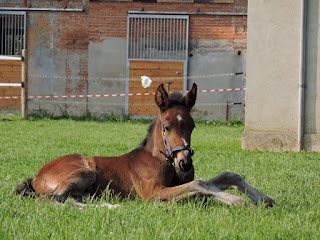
<point x="175" y="98"/>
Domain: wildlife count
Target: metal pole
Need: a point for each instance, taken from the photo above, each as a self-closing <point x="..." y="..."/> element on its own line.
<point x="42" y="9"/>
<point x="24" y="87"/>
<point x="190" y="13"/>
<point x="302" y="80"/>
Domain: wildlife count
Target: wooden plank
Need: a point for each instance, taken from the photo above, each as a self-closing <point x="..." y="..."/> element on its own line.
<point x="9" y="68"/>
<point x="146" y="99"/>
<point x="10" y="104"/>
<point x="10" y="72"/>
<point x="10" y="91"/>
<point x="138" y="111"/>
<point x="157" y="81"/>
<point x="176" y="85"/>
<point x="159" y="72"/>
<point x="156" y="73"/>
<point x="157" y="65"/>
<point x="142" y="64"/>
<point x="155" y="84"/>
<point x="176" y="1"/>
<point x="142" y="99"/>
<point x="137" y="90"/>
<point x="142" y="105"/>
<point x="14" y="77"/>
<point x="10" y="80"/>
<point x="10" y="62"/>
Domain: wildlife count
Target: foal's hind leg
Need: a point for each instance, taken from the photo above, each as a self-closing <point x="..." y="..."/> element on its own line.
<point x="228" y="180"/>
<point x="75" y="185"/>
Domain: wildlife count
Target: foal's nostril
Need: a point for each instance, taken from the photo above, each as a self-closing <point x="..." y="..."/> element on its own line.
<point x="184" y="166"/>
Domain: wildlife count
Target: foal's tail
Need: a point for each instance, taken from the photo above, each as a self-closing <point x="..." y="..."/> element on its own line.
<point x="25" y="189"/>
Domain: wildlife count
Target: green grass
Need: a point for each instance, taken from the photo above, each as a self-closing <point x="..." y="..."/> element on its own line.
<point x="292" y="179"/>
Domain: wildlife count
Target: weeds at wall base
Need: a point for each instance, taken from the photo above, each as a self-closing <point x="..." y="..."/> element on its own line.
<point x="88" y="116"/>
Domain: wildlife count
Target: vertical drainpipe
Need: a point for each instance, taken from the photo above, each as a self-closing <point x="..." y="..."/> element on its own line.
<point x="302" y="77"/>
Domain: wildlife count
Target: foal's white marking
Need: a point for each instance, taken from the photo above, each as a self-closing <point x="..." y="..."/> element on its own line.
<point x="179" y="118"/>
<point x="184" y="142"/>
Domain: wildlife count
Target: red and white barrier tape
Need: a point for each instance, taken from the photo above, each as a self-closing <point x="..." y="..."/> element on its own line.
<point x="94" y="79"/>
<point x="113" y="104"/>
<point x="117" y="95"/>
<point x="222" y="90"/>
<point x="10" y="97"/>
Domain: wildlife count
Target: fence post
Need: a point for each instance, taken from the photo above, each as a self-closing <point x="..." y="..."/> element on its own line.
<point x="24" y="87"/>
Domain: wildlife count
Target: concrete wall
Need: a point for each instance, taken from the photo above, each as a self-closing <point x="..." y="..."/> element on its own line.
<point x="273" y="71"/>
<point x="80" y="53"/>
<point x="213" y="49"/>
<point x="57" y="44"/>
<point x="107" y="74"/>
<point x="209" y="60"/>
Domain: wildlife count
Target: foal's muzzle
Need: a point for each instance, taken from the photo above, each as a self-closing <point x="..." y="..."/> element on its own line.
<point x="184" y="162"/>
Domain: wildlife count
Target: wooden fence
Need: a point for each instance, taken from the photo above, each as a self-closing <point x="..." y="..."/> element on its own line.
<point x="159" y="72"/>
<point x="10" y="72"/>
<point x="13" y="85"/>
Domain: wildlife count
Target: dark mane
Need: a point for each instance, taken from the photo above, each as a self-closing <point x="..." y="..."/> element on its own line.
<point x="150" y="130"/>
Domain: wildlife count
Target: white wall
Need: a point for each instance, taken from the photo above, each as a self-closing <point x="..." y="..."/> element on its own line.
<point x="273" y="71"/>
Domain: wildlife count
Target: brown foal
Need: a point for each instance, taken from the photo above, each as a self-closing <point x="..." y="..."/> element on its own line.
<point x="160" y="168"/>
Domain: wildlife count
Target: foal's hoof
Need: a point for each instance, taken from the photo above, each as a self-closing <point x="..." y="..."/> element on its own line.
<point x="269" y="202"/>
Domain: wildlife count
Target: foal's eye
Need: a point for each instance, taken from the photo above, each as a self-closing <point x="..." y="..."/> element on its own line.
<point x="167" y="127"/>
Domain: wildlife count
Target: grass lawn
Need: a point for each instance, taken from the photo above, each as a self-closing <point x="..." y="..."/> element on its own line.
<point x="292" y="179"/>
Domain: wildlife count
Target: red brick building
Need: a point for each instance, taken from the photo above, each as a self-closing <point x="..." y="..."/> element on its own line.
<point x="82" y="47"/>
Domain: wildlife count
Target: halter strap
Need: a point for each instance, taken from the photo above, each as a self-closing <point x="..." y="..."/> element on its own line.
<point x="169" y="151"/>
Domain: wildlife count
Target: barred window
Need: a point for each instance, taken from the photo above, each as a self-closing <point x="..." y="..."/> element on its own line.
<point x="12" y="32"/>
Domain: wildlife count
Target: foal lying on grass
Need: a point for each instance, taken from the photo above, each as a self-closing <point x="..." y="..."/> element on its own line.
<point x="159" y="169"/>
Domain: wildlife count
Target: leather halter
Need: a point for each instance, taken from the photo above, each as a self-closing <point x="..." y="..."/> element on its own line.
<point x="169" y="151"/>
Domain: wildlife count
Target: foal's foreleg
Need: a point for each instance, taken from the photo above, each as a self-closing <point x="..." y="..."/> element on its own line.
<point x="197" y="187"/>
<point x="228" y="180"/>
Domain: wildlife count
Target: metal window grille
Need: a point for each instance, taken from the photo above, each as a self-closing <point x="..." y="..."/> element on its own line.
<point x="157" y="37"/>
<point x="12" y="33"/>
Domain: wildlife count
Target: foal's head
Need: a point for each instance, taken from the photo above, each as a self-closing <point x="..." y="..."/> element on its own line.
<point x="176" y="125"/>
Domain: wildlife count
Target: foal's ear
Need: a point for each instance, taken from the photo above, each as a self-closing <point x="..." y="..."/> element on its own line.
<point x="162" y="98"/>
<point x="190" y="98"/>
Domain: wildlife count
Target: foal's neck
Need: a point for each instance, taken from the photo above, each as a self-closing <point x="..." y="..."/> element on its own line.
<point x="154" y="142"/>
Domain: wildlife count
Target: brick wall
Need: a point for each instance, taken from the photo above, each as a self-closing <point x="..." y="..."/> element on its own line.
<point x="109" y="19"/>
<point x="58" y="42"/>
<point x="65" y="32"/>
<point x="42" y="3"/>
